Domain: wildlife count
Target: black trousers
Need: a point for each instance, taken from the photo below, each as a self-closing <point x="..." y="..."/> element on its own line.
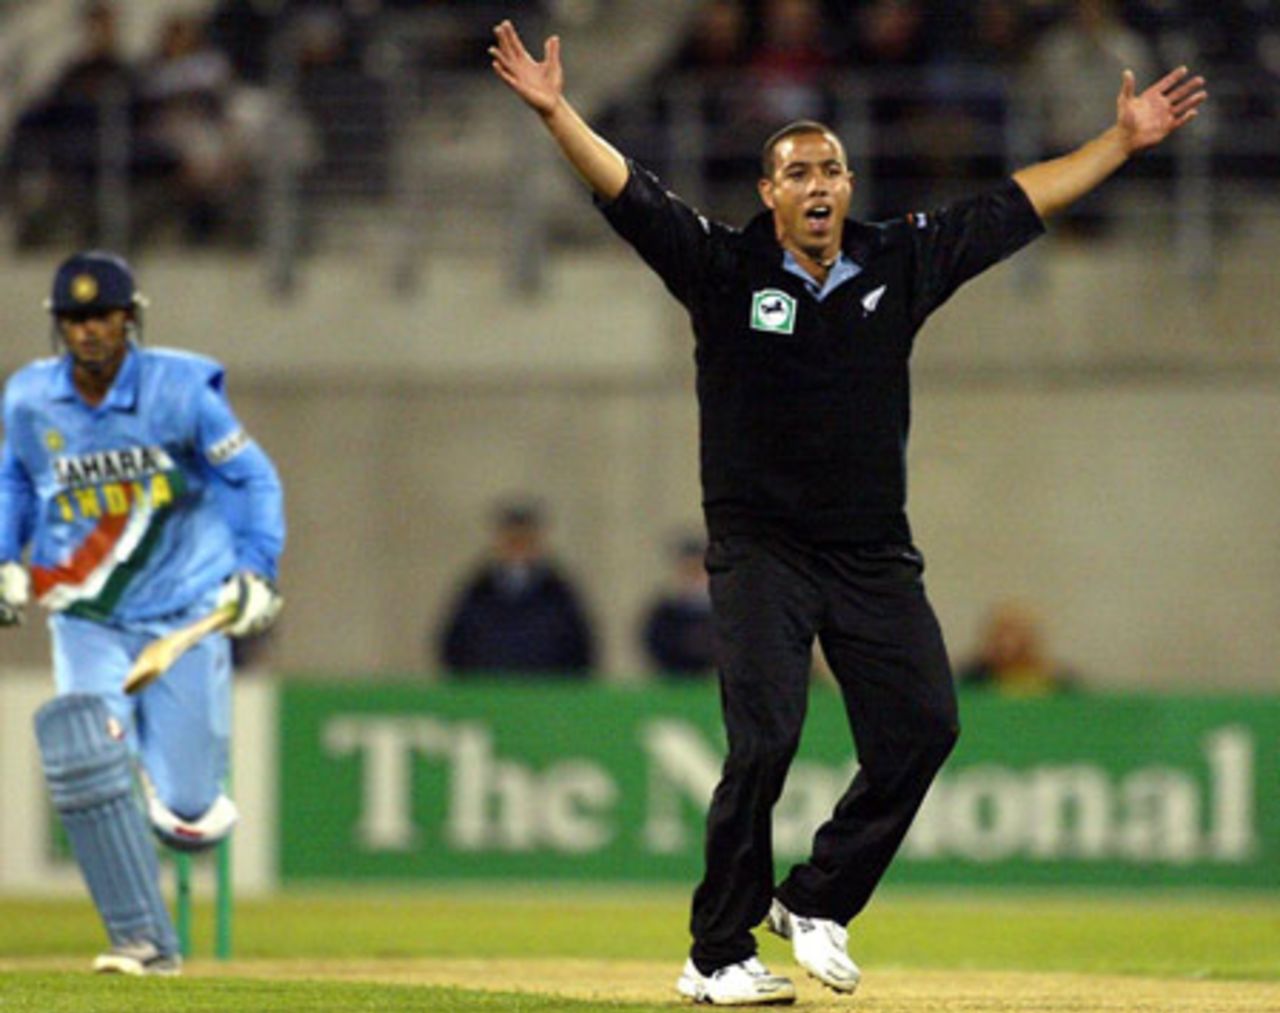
<point x="866" y="605"/>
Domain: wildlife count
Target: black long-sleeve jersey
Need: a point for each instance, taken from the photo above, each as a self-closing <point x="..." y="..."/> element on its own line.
<point x="804" y="403"/>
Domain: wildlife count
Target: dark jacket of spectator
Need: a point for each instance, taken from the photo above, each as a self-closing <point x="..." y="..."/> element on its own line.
<point x="679" y="639"/>
<point x="677" y="632"/>
<point x="524" y="620"/>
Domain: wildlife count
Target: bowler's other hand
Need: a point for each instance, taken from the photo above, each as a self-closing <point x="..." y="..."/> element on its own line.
<point x="257" y="603"/>
<point x="15" y="592"/>
<point x="540" y="84"/>
<point x="1170" y="103"/>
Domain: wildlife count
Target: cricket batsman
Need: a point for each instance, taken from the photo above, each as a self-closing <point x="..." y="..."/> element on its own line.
<point x="141" y="504"/>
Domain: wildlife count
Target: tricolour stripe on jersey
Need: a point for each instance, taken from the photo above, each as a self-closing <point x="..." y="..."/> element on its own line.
<point x="91" y="581"/>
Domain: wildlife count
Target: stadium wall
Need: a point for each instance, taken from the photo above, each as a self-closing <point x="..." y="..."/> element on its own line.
<point x="1090" y="433"/>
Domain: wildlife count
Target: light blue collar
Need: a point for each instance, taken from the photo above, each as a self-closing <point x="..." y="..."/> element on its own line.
<point x="844" y="269"/>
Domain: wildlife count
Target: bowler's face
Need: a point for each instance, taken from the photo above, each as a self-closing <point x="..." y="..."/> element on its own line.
<point x="809" y="194"/>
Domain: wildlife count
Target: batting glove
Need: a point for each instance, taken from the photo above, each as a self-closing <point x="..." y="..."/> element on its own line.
<point x="15" y="592"/>
<point x="256" y="599"/>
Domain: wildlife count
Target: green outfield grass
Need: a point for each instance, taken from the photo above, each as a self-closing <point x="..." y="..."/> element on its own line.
<point x="1219" y="938"/>
<point x="52" y="993"/>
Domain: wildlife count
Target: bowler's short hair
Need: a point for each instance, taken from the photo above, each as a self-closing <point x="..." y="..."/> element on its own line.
<point x="794" y="129"/>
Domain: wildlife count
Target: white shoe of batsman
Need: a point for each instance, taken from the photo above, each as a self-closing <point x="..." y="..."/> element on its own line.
<point x="746" y="983"/>
<point x="820" y="945"/>
<point x="140" y="958"/>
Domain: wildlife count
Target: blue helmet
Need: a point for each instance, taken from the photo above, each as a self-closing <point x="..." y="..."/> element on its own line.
<point x="93" y="281"/>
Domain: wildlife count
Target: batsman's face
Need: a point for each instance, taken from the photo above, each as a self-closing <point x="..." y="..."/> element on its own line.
<point x="97" y="341"/>
<point x="809" y="194"/>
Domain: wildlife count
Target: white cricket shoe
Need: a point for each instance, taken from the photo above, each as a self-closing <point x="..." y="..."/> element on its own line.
<point x="139" y="958"/>
<point x="746" y="983"/>
<point x="820" y="945"/>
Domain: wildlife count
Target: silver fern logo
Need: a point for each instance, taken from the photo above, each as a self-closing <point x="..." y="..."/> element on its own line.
<point x="872" y="299"/>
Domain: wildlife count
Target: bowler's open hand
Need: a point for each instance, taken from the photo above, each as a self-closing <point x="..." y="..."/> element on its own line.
<point x="1170" y="103"/>
<point x="539" y="84"/>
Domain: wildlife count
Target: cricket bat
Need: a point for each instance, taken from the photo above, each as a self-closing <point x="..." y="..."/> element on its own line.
<point x="158" y="656"/>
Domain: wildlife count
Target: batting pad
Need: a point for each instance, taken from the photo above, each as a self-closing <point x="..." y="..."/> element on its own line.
<point x="89" y="773"/>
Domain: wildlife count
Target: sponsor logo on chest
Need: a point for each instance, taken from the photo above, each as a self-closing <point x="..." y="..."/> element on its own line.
<point x="773" y="311"/>
<point x="124" y="465"/>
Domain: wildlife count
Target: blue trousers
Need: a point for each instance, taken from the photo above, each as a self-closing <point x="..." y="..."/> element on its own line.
<point x="179" y="727"/>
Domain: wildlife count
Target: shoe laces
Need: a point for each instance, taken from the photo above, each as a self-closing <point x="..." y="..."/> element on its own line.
<point x="834" y="931"/>
<point x="751" y="966"/>
<point x="838" y="934"/>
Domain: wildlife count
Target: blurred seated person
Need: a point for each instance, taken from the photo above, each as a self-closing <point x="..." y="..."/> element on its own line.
<point x="517" y="614"/>
<point x="1091" y="44"/>
<point x="57" y="145"/>
<point x="716" y="41"/>
<point x="186" y="90"/>
<point x="97" y="69"/>
<point x="974" y="65"/>
<point x="714" y="52"/>
<point x="244" y="30"/>
<point x="345" y="98"/>
<point x="678" y="636"/>
<point x="791" y="62"/>
<point x="1012" y="657"/>
<point x="702" y="82"/>
<point x="889" y="48"/>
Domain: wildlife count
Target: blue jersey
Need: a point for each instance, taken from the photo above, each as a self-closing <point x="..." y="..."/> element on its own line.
<point x="139" y="507"/>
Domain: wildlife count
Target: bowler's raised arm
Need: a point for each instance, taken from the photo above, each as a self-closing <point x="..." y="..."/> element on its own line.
<point x="540" y="84"/>
<point x="1142" y="121"/>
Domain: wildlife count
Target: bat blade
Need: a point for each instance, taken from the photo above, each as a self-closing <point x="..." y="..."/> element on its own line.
<point x="158" y="656"/>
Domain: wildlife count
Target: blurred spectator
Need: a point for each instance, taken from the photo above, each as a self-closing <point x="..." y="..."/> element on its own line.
<point x="678" y="636"/>
<point x="245" y="31"/>
<point x="889" y="34"/>
<point x="347" y="106"/>
<point x="969" y="86"/>
<point x="187" y="90"/>
<point x="701" y="87"/>
<point x="1089" y="47"/>
<point x="717" y="39"/>
<point x="888" y="46"/>
<point x="517" y="614"/>
<point x="99" y="64"/>
<point x="714" y="55"/>
<point x="1239" y="43"/>
<point x="1012" y="657"/>
<point x="1002" y="32"/>
<point x="790" y="63"/>
<point x="58" y="144"/>
<point x="452" y="32"/>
